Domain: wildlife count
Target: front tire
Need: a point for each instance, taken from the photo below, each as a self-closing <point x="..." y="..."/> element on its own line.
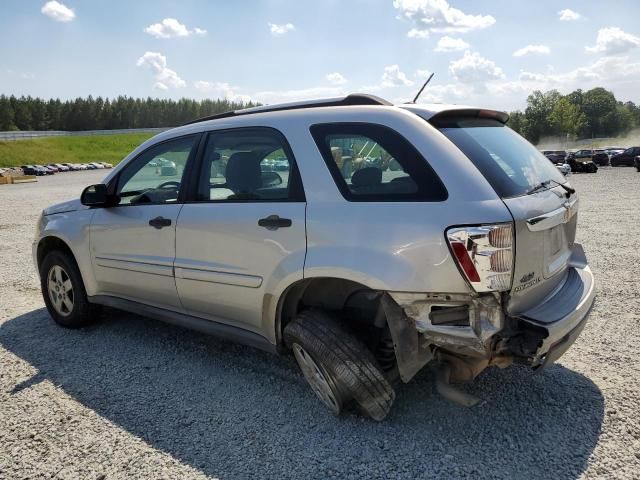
<point x="337" y="365"/>
<point x="63" y="291"/>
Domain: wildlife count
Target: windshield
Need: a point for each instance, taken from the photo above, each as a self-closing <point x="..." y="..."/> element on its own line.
<point x="510" y="164"/>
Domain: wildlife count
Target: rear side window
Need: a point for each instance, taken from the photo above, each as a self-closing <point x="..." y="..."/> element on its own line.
<point x="372" y="162"/>
<point x="511" y="164"/>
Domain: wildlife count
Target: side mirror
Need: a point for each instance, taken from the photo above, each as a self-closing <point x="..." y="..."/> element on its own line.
<point x="95" y="196"/>
<point x="271" y="179"/>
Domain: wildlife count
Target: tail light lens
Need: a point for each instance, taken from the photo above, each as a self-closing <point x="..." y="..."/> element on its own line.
<point x="484" y="254"/>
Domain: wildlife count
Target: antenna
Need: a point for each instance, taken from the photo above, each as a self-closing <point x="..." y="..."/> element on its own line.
<point x="422" y="88"/>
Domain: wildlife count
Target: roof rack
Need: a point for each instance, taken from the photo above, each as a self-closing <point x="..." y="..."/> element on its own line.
<point x="349" y="100"/>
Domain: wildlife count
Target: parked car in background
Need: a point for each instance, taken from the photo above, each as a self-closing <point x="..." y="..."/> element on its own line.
<point x="98" y="165"/>
<point x="52" y="167"/>
<point x="564" y="168"/>
<point x="106" y="165"/>
<point x="49" y="171"/>
<point x="463" y="257"/>
<point x="581" y="161"/>
<point x="74" y="167"/>
<point x="33" y="170"/>
<point x="60" y="167"/>
<point x="600" y="158"/>
<point x="611" y="151"/>
<point x="626" y="158"/>
<point x="556" y="156"/>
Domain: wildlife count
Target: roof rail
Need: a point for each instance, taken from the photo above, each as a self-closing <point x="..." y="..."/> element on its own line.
<point x="349" y="100"/>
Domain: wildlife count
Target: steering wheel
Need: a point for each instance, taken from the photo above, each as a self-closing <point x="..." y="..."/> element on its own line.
<point x="171" y="183"/>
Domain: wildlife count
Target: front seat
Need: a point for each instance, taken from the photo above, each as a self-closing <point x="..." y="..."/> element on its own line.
<point x="243" y="175"/>
<point x="367" y="181"/>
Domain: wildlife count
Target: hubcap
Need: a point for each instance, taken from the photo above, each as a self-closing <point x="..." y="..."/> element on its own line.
<point x="60" y="290"/>
<point x="321" y="382"/>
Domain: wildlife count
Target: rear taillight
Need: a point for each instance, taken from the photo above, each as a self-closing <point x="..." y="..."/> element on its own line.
<point x="484" y="254"/>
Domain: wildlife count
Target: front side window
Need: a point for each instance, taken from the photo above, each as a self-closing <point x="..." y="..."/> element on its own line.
<point x="374" y="163"/>
<point x="156" y="175"/>
<point x="246" y="165"/>
<point x="510" y="164"/>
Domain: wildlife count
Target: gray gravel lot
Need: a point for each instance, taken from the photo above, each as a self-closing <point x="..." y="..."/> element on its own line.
<point x="133" y="398"/>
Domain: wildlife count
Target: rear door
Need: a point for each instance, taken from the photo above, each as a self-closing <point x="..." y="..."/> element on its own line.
<point x="544" y="213"/>
<point x="243" y="235"/>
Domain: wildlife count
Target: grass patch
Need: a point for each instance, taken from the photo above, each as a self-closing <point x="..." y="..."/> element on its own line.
<point x="82" y="149"/>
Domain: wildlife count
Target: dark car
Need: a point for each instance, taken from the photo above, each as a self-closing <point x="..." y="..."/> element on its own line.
<point x="34" y="170"/>
<point x="556" y="156"/>
<point x="636" y="163"/>
<point x="581" y="161"/>
<point x="626" y="158"/>
<point x="600" y="158"/>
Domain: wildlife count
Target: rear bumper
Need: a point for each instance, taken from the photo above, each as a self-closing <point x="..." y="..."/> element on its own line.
<point x="563" y="315"/>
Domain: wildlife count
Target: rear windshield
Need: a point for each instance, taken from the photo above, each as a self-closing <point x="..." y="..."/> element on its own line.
<point x="509" y="163"/>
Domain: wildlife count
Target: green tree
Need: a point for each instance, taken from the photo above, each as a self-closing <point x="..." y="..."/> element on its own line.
<point x="566" y="118"/>
<point x="6" y="115"/>
<point x="539" y="107"/>
<point x="600" y="107"/>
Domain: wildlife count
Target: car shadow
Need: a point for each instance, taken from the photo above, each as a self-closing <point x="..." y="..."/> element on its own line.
<point x="234" y="412"/>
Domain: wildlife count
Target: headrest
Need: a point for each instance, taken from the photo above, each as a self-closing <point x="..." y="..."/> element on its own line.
<point x="366" y="177"/>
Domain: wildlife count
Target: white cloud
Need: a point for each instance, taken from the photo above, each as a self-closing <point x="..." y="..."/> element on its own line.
<point x="336" y="78"/>
<point x="439" y="17"/>
<point x="281" y="29"/>
<point x="221" y="90"/>
<point x="450" y="44"/>
<point x="532" y="49"/>
<point x="613" y="41"/>
<point x="58" y="12"/>
<point x="172" y="28"/>
<point x="475" y="69"/>
<point x="568" y="15"/>
<point x="393" y="77"/>
<point x="415" y="33"/>
<point x="422" y="73"/>
<point x="165" y="77"/>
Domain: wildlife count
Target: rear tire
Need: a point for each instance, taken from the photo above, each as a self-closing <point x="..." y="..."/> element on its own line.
<point x="345" y="369"/>
<point x="63" y="291"/>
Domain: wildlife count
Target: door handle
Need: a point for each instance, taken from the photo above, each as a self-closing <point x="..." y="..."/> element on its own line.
<point x="160" y="222"/>
<point x="274" y="222"/>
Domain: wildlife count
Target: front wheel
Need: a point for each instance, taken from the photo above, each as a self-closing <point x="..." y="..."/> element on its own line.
<point x="337" y="365"/>
<point x="63" y="291"/>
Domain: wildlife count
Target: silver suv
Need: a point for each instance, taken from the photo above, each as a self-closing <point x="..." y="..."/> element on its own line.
<point x="368" y="239"/>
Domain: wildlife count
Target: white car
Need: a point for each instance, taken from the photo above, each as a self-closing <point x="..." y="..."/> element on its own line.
<point x="462" y="255"/>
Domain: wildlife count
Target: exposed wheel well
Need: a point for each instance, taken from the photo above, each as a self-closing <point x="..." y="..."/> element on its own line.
<point x="355" y="304"/>
<point x="49" y="244"/>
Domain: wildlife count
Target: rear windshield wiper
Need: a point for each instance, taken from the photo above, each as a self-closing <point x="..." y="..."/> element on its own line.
<point x="570" y="191"/>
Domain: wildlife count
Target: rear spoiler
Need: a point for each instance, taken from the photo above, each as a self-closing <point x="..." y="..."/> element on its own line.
<point x="502" y="117"/>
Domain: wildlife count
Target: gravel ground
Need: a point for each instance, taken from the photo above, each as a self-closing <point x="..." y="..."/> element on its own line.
<point x="133" y="398"/>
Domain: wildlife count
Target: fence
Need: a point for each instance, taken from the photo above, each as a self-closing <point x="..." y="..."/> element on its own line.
<point x="28" y="135"/>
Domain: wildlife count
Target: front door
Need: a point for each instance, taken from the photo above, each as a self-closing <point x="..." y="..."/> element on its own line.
<point x="133" y="243"/>
<point x="244" y="235"/>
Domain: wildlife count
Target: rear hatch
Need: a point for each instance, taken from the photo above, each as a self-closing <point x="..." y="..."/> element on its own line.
<point x="531" y="187"/>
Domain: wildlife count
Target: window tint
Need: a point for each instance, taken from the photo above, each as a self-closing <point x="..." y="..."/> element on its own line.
<point x="156" y="175"/>
<point x="374" y="163"/>
<point x="245" y="165"/>
<point x="511" y="164"/>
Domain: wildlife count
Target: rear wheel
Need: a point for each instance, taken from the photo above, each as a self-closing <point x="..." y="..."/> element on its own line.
<point x="337" y="365"/>
<point x="63" y="291"/>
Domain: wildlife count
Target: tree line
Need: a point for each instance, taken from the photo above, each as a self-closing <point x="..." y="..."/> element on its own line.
<point x="580" y="114"/>
<point x="29" y="113"/>
<point x="591" y="114"/>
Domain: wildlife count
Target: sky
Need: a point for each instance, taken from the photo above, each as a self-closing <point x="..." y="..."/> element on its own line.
<point x="490" y="53"/>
